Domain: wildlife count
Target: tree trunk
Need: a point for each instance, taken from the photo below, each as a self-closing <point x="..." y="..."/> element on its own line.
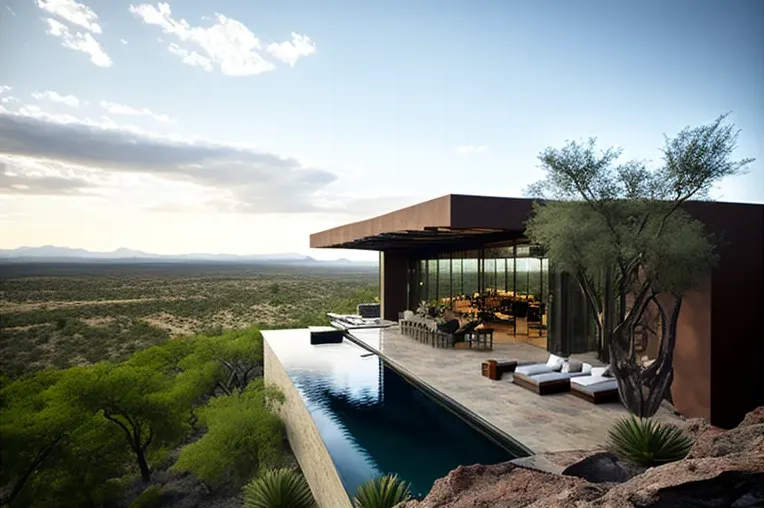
<point x="608" y="318"/>
<point x="642" y="390"/>
<point x="143" y="465"/>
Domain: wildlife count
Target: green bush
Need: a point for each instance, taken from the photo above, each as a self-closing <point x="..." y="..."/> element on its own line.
<point x="383" y="492"/>
<point x="243" y="436"/>
<point x="149" y="498"/>
<point x="278" y="488"/>
<point x="647" y="443"/>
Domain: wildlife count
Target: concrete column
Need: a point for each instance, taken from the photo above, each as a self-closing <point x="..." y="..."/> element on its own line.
<point x="393" y="270"/>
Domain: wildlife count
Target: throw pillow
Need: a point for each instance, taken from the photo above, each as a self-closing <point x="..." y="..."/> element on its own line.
<point x="555" y="362"/>
<point x="572" y="365"/>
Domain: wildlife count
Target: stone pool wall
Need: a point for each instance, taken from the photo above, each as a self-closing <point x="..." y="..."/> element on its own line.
<point x="306" y="442"/>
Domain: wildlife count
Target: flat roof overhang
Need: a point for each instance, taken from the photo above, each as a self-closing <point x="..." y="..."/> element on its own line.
<point x="446" y="222"/>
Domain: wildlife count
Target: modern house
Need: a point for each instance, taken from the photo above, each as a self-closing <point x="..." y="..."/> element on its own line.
<point x="469" y="253"/>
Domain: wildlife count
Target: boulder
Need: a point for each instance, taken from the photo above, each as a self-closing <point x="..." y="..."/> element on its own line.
<point x="601" y="467"/>
<point x="715" y="442"/>
<point x="505" y="486"/>
<point x="755" y="417"/>
<point x="708" y="482"/>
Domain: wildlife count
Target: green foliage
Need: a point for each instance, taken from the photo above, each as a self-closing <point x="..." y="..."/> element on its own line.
<point x="69" y="434"/>
<point x="243" y="435"/>
<point x="66" y="316"/>
<point x="383" y="492"/>
<point x="648" y="443"/>
<point x="279" y="488"/>
<point x="149" y="498"/>
<point x="239" y="353"/>
<point x="125" y="396"/>
<point x="52" y="449"/>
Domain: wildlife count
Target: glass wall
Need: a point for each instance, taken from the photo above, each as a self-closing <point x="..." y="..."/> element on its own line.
<point x="512" y="289"/>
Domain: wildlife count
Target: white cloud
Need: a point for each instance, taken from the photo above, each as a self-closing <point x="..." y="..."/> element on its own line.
<point x="289" y="51"/>
<point x="470" y="149"/>
<point x="8" y="99"/>
<point x="121" y="109"/>
<point x="79" y="41"/>
<point x="123" y="41"/>
<point x="69" y="100"/>
<point x="10" y="10"/>
<point x="191" y="57"/>
<point x="227" y="44"/>
<point x="4" y="88"/>
<point x="30" y="109"/>
<point x="73" y="12"/>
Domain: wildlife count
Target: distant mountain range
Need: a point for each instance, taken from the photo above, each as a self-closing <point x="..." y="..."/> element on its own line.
<point x="53" y="253"/>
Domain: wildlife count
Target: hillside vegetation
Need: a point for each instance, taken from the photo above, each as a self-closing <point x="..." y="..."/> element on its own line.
<point x="141" y="386"/>
<point x="63" y="315"/>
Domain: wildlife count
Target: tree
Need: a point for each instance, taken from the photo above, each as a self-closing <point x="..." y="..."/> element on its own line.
<point x="29" y="429"/>
<point x="242" y="435"/>
<point x="620" y="229"/>
<point x="138" y="401"/>
<point x="239" y="354"/>
<point x="52" y="452"/>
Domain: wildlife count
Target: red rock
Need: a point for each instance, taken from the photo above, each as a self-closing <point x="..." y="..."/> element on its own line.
<point x="755" y="417"/>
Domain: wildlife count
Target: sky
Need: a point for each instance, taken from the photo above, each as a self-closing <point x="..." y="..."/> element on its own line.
<point x="243" y="126"/>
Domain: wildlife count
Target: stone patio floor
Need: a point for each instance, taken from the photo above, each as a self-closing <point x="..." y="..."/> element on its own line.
<point x="544" y="424"/>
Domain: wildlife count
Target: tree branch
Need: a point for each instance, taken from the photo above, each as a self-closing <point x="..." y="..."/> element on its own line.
<point x="38" y="460"/>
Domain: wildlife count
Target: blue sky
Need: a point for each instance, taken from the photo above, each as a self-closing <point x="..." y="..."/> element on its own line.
<point x="311" y="114"/>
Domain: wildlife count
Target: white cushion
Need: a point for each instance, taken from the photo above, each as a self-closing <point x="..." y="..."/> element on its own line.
<point x="587" y="368"/>
<point x="555" y="362"/>
<point x="533" y="369"/>
<point x="598" y="371"/>
<point x="590" y="380"/>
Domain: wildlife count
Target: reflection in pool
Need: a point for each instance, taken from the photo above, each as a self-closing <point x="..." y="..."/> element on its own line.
<point x="373" y="421"/>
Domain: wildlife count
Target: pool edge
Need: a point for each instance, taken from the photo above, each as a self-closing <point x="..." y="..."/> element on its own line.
<point x="306" y="442"/>
<point x="476" y="421"/>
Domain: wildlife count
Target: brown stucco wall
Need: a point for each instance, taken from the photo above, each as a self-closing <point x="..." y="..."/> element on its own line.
<point x="691" y="390"/>
<point x="393" y="286"/>
<point x="737" y="302"/>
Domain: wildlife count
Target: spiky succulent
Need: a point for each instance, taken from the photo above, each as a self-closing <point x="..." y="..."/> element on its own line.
<point x="648" y="443"/>
<point x="278" y="488"/>
<point x="382" y="492"/>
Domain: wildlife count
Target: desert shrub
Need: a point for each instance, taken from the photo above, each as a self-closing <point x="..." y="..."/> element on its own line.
<point x="243" y="436"/>
<point x="149" y="498"/>
<point x="648" y="443"/>
<point x="383" y="492"/>
<point x="278" y="488"/>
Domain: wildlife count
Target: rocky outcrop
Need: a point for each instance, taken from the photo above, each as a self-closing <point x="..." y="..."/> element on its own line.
<point x="724" y="469"/>
<point x="714" y="481"/>
<point x="505" y="486"/>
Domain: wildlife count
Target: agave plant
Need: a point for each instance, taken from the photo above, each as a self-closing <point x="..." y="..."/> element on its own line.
<point x="278" y="488"/>
<point x="383" y="492"/>
<point x="647" y="443"/>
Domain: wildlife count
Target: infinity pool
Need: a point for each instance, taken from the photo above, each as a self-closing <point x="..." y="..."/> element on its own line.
<point x="373" y="421"/>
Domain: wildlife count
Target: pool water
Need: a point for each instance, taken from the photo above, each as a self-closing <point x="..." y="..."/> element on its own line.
<point x="373" y="421"/>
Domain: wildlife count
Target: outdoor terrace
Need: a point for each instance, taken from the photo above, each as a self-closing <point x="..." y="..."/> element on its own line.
<point x="543" y="424"/>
